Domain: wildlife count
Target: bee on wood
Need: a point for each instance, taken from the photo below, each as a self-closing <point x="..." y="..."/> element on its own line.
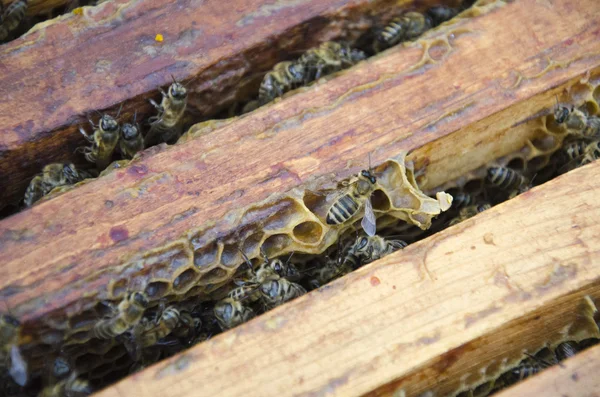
<point x="329" y="57"/>
<point x="167" y="125"/>
<point x="73" y="386"/>
<point x="284" y="77"/>
<point x="131" y="140"/>
<point x="566" y="350"/>
<point x="406" y="27"/>
<point x="231" y="313"/>
<point x="356" y="193"/>
<point x="367" y="249"/>
<point x="11" y="18"/>
<point x="577" y="122"/>
<point x="469" y="212"/>
<point x="277" y="292"/>
<point x="53" y="175"/>
<point x="505" y="178"/>
<point x="129" y="313"/>
<point x="104" y="141"/>
<point x="164" y="325"/>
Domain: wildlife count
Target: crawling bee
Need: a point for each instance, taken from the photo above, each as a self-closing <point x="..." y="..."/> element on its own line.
<point x="164" y="325"/>
<point x="403" y="28"/>
<point x="469" y="212"/>
<point x="11" y="18"/>
<point x="131" y="140"/>
<point x="231" y="313"/>
<point x="357" y="192"/>
<point x="269" y="269"/>
<point x="247" y="291"/>
<point x="277" y="292"/>
<point x="129" y="313"/>
<point x="167" y="125"/>
<point x="330" y="270"/>
<point x="505" y="178"/>
<point x="591" y="153"/>
<point x="566" y="350"/>
<point x="577" y="122"/>
<point x="440" y="14"/>
<point x="73" y="386"/>
<point x="574" y="150"/>
<point x="53" y="175"/>
<point x="284" y="77"/>
<point x="367" y="249"/>
<point x="461" y="199"/>
<point x="329" y="57"/>
<point x="104" y="141"/>
<point x="10" y="353"/>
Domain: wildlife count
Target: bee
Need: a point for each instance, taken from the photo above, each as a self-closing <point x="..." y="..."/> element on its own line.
<point x="591" y="153"/>
<point x="53" y="175"/>
<point x="469" y="212"/>
<point x="11" y="18"/>
<point x="505" y="178"/>
<point x="277" y="292"/>
<point x="357" y="193"/>
<point x="440" y="14"/>
<point x="566" y="350"/>
<point x="270" y="269"/>
<point x="461" y="199"/>
<point x="104" y="141"/>
<point x="330" y="270"/>
<point x="164" y="325"/>
<point x="167" y="125"/>
<point x="403" y="28"/>
<point x="231" y="313"/>
<point x="284" y="77"/>
<point x="129" y="313"/>
<point x="574" y="150"/>
<point x="247" y="291"/>
<point x="131" y="140"/>
<point x="329" y="57"/>
<point x="73" y="386"/>
<point x="577" y="122"/>
<point x="367" y="249"/>
<point x="10" y="353"/>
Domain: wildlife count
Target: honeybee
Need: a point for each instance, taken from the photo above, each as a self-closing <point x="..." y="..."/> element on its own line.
<point x="574" y="150"/>
<point x="440" y="14"/>
<point x="270" y="269"/>
<point x="164" y="325"/>
<point x="129" y="313"/>
<point x="53" y="175"/>
<point x="591" y="153"/>
<point x="577" y="122"/>
<point x="329" y="57"/>
<point x="403" y="28"/>
<point x="10" y="353"/>
<point x="566" y="350"/>
<point x="367" y="249"/>
<point x="505" y="178"/>
<point x="248" y="291"/>
<point x="11" y="18"/>
<point x="277" y="292"/>
<point x="231" y="313"/>
<point x="73" y="386"/>
<point x="357" y="192"/>
<point x="461" y="199"/>
<point x="131" y="140"/>
<point x="330" y="270"/>
<point x="104" y="141"/>
<point x="469" y="212"/>
<point x="167" y="125"/>
<point x="284" y="77"/>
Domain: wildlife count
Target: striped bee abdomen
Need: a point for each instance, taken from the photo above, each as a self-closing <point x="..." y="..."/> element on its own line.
<point x="342" y="210"/>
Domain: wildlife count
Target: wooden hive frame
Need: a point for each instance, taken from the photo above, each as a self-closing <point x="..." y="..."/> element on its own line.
<point x="436" y="315"/>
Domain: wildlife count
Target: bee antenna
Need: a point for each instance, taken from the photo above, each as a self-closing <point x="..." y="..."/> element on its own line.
<point x="119" y="112"/>
<point x="246" y="260"/>
<point x="264" y="253"/>
<point x="99" y="114"/>
<point x="173" y="77"/>
<point x="288" y="259"/>
<point x="370" y="168"/>
<point x="556" y="96"/>
<point x="134" y="117"/>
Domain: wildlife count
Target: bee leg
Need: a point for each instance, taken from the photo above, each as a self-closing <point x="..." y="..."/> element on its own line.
<point x="156" y="105"/>
<point x="164" y="94"/>
<point x="87" y="137"/>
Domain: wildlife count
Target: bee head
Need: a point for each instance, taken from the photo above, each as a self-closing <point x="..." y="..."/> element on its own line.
<point x="70" y="172"/>
<point x="361" y="243"/>
<point x="277" y="266"/>
<point x="140" y="299"/>
<point x="10" y="320"/>
<point x="129" y="132"/>
<point x="223" y="310"/>
<point x="561" y="114"/>
<point x="177" y="91"/>
<point x="108" y="123"/>
<point x="370" y="177"/>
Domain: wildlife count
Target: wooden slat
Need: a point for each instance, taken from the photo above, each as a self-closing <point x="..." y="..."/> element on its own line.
<point x="578" y="376"/>
<point x="375" y="108"/>
<point x="63" y="70"/>
<point x="426" y="317"/>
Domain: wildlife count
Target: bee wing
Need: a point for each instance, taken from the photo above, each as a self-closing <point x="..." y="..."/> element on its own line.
<point x="368" y="222"/>
<point x="18" y="368"/>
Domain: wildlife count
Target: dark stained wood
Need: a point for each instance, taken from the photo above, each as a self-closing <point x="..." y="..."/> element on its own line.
<point x="382" y="107"/>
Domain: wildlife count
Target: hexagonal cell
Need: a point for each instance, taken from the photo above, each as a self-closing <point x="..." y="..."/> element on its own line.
<point x="214" y="276"/>
<point x="308" y="232"/>
<point x="158" y="288"/>
<point x="312" y="201"/>
<point x="117" y="288"/>
<point x="252" y="244"/>
<point x="207" y="256"/>
<point x="546" y="143"/>
<point x="537" y="163"/>
<point x="380" y="201"/>
<point x="517" y="164"/>
<point x="589" y="107"/>
<point x="553" y="127"/>
<point x="276" y="243"/>
<point x="230" y="256"/>
<point x="85" y="320"/>
<point x="185" y="280"/>
<point x="53" y="337"/>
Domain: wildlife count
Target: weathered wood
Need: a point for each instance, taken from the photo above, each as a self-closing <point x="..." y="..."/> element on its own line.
<point x="578" y="376"/>
<point x="57" y="75"/>
<point x="375" y="108"/>
<point x="448" y="308"/>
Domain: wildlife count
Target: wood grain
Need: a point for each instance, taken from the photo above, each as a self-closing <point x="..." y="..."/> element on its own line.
<point x="63" y="70"/>
<point x="577" y="377"/>
<point x="73" y="241"/>
<point x="449" y="307"/>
